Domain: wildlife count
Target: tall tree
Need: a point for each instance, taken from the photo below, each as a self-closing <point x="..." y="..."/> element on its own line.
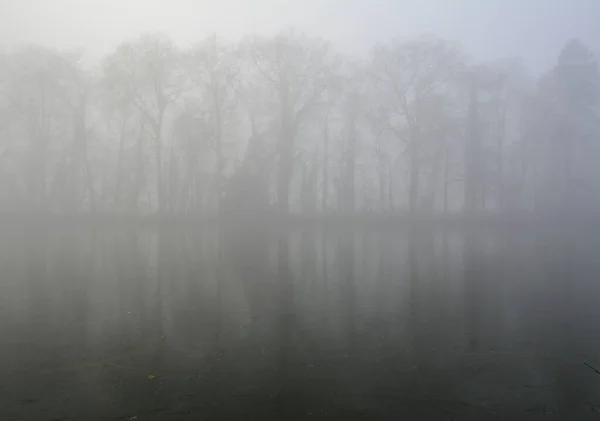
<point x="296" y="70"/>
<point x="216" y="74"/>
<point x="473" y="152"/>
<point x="407" y="74"/>
<point x="76" y="96"/>
<point x="151" y="71"/>
<point x="37" y="92"/>
<point x="352" y="111"/>
<point x="566" y="126"/>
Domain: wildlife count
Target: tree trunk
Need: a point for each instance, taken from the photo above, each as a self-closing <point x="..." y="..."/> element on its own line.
<point x="159" y="178"/>
<point x="218" y="148"/>
<point x="415" y="170"/>
<point x="118" y="175"/>
<point x="381" y="173"/>
<point x="325" y="169"/>
<point x="81" y="140"/>
<point x="173" y="183"/>
<point x="434" y="181"/>
<point x="139" y="178"/>
<point x="158" y="155"/>
<point x="285" y="170"/>
<point x="472" y="156"/>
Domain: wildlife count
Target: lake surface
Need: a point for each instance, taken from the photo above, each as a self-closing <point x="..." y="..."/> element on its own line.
<point x="196" y="324"/>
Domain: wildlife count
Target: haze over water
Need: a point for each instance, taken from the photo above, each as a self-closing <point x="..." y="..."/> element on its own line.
<point x="297" y="325"/>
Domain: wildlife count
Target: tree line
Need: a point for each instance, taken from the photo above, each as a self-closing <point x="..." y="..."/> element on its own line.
<point x="285" y="123"/>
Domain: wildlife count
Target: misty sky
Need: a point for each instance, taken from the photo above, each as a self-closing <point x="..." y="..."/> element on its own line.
<point x="488" y="29"/>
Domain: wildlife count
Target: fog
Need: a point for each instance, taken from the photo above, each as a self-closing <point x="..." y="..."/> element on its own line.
<point x="322" y="209"/>
<point x="139" y="108"/>
<point x="488" y="30"/>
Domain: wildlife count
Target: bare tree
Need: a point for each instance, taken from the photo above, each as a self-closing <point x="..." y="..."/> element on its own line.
<point x="39" y="93"/>
<point x="352" y="110"/>
<point x="151" y="71"/>
<point x="296" y="70"/>
<point x="566" y="123"/>
<point x="285" y="120"/>
<point x="407" y="74"/>
<point x="215" y="73"/>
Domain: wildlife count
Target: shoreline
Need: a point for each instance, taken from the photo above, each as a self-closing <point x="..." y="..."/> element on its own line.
<point x="305" y="221"/>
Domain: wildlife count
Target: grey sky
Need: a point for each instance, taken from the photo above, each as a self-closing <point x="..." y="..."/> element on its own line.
<point x="533" y="29"/>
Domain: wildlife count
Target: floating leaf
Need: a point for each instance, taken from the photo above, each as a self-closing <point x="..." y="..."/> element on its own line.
<point x="151" y="377"/>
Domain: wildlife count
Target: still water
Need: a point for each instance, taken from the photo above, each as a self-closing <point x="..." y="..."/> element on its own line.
<point x="196" y="324"/>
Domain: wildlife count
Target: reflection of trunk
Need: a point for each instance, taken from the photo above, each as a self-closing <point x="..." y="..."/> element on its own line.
<point x="286" y="320"/>
<point x="382" y="275"/>
<point x="219" y="281"/>
<point x="35" y="271"/>
<point x="565" y="330"/>
<point x="472" y="291"/>
<point x="123" y="260"/>
<point x="285" y="171"/>
<point x="413" y="302"/>
<point x="155" y="325"/>
<point x="119" y="174"/>
<point x="347" y="254"/>
<point x="284" y="278"/>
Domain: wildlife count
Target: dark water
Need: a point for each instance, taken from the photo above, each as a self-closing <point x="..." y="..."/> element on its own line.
<point x="108" y="324"/>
